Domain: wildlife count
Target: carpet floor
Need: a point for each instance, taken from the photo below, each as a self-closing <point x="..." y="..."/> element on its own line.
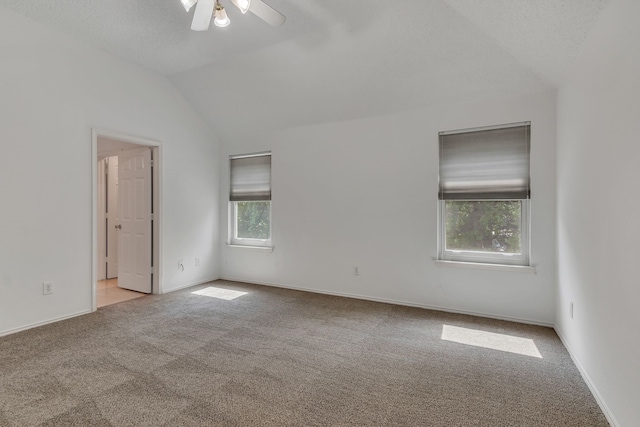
<point x="235" y="354"/>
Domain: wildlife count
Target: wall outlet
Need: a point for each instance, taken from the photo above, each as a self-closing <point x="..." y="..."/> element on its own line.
<point x="356" y="271"/>
<point x="181" y="264"/>
<point x="47" y="288"/>
<point x="571" y="309"/>
<point x="197" y="262"/>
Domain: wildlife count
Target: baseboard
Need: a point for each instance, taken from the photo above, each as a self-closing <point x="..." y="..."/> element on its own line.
<point x="188" y="285"/>
<point x="395" y="302"/>
<point x="46" y="322"/>
<point x="58" y="319"/>
<point x="594" y="391"/>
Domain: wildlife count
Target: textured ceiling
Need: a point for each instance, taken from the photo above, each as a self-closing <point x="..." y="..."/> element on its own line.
<point x="156" y="33"/>
<point x="335" y="59"/>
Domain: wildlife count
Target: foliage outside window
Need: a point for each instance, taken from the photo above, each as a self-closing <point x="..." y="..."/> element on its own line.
<point x="253" y="220"/>
<point x="483" y="226"/>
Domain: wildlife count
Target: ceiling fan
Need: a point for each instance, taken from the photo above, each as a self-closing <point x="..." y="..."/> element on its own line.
<point x="207" y="9"/>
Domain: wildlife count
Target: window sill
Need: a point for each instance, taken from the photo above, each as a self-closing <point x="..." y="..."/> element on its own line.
<point x="260" y="248"/>
<point x="486" y="266"/>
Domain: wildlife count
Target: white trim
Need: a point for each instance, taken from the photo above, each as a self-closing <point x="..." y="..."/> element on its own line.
<point x="158" y="217"/>
<point x="246" y="156"/>
<point x="396" y="302"/>
<point x="157" y="208"/>
<point x="492" y="258"/>
<point x="106" y="133"/>
<point x="94" y="220"/>
<point x="232" y="240"/>
<point x="482" y="128"/>
<point x="261" y="248"/>
<point x="189" y="285"/>
<point x="46" y="322"/>
<point x="486" y="266"/>
<point x="594" y="391"/>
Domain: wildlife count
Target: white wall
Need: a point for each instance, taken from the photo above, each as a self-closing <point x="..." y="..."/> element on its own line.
<point x="53" y="90"/>
<point x="364" y="193"/>
<point x="598" y="206"/>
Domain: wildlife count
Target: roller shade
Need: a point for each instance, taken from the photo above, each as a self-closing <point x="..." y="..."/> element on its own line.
<point x="491" y="163"/>
<point x="250" y="178"/>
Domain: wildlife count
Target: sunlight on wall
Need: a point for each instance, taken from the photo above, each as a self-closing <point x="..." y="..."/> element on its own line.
<point x="491" y="340"/>
<point x="220" y="293"/>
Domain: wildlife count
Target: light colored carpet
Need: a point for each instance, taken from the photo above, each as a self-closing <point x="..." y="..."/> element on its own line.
<point x="276" y="357"/>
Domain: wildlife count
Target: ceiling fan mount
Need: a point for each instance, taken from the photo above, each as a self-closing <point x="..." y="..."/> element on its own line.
<point x="206" y="10"/>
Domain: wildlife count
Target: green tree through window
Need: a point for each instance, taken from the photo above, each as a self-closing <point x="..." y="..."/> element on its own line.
<point x="254" y="220"/>
<point x="483" y="226"/>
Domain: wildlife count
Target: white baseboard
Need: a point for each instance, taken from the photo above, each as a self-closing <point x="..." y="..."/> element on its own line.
<point x="188" y="285"/>
<point x="58" y="319"/>
<point x="46" y="322"/>
<point x="605" y="409"/>
<point x="396" y="302"/>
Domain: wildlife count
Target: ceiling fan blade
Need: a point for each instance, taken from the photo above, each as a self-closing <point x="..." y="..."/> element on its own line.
<point x="243" y="5"/>
<point x="188" y="4"/>
<point x="266" y="13"/>
<point x="202" y="15"/>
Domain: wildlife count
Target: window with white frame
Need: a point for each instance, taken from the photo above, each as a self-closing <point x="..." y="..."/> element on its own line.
<point x="484" y="195"/>
<point x="250" y="200"/>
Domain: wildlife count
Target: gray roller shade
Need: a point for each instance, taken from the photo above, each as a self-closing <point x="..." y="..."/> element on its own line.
<point x="485" y="164"/>
<point x="250" y="178"/>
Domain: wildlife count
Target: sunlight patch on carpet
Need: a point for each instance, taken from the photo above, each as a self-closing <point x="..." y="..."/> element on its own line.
<point x="491" y="340"/>
<point x="219" y="293"/>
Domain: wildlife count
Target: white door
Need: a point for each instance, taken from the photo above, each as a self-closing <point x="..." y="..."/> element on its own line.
<point x="134" y="207"/>
<point x="111" y="213"/>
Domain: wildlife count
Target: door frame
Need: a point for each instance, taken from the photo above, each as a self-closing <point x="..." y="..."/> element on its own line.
<point x="104" y="180"/>
<point x="156" y="180"/>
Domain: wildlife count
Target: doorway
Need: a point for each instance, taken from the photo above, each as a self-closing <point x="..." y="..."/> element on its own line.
<point x="126" y="217"/>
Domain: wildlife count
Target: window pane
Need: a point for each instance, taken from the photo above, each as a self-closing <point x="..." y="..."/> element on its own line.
<point x="483" y="226"/>
<point x="253" y="220"/>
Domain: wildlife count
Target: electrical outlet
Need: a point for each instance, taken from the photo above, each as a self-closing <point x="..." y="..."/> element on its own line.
<point x="356" y="271"/>
<point x="197" y="262"/>
<point x="181" y="264"/>
<point x="47" y="288"/>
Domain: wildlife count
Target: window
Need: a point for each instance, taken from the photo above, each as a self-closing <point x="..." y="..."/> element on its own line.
<point x="250" y="200"/>
<point x="484" y="195"/>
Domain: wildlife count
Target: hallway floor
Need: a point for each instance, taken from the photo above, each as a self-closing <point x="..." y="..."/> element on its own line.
<point x="109" y="293"/>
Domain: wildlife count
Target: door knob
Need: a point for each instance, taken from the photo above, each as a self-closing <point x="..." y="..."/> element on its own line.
<point x="118" y="226"/>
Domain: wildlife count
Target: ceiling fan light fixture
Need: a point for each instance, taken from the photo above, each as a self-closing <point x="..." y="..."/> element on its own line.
<point x="243" y="5"/>
<point x="212" y="10"/>
<point x="188" y="4"/>
<point x="221" y="18"/>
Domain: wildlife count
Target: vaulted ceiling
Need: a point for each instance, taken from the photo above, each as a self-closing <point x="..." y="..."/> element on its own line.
<point x="334" y="59"/>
